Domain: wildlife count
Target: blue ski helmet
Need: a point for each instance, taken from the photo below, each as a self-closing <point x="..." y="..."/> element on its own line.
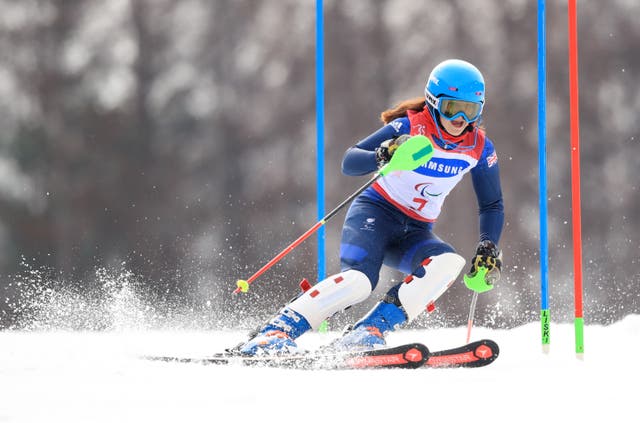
<point x="456" y="89"/>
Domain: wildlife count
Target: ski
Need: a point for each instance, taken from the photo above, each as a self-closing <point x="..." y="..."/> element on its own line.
<point x="475" y="354"/>
<point x="407" y="356"/>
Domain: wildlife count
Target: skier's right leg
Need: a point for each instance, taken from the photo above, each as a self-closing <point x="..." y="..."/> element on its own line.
<point x="308" y="311"/>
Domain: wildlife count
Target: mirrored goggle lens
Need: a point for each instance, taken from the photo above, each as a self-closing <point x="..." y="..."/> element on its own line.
<point x="453" y="108"/>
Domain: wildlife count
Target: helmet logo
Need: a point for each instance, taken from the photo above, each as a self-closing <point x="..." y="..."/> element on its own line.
<point x="453" y="88"/>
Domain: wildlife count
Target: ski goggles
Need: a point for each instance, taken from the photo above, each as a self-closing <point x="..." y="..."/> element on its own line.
<point x="452" y="108"/>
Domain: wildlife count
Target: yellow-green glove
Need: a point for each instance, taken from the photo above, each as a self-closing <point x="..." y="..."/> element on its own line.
<point x="387" y="148"/>
<point x="485" y="267"/>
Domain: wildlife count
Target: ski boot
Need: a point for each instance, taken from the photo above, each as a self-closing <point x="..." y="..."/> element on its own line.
<point x="368" y="333"/>
<point x="276" y="336"/>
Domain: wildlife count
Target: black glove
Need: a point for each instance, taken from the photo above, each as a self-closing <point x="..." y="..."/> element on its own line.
<point x="490" y="258"/>
<point x="387" y="148"/>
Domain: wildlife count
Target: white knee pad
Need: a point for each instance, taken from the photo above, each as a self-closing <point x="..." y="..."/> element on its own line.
<point x="440" y="273"/>
<point x="332" y="295"/>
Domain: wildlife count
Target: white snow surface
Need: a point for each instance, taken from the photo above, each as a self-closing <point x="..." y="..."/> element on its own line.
<point x="54" y="376"/>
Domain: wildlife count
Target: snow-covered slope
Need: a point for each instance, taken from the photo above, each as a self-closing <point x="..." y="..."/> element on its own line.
<point x="97" y="377"/>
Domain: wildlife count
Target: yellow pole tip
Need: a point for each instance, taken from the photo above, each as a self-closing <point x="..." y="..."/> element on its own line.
<point x="243" y="285"/>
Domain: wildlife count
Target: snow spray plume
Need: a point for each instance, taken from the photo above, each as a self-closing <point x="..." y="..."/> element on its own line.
<point x="45" y="300"/>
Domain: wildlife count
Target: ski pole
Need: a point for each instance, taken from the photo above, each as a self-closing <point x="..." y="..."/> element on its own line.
<point x="414" y="152"/>
<point x="481" y="280"/>
<point x="472" y="311"/>
<point x="243" y="285"/>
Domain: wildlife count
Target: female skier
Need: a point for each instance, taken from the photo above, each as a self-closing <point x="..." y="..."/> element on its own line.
<point x="392" y="221"/>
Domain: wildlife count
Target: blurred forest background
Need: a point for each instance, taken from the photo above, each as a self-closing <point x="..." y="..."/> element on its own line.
<point x="152" y="152"/>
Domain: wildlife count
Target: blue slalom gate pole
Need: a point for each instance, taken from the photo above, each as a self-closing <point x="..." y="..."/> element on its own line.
<point x="542" y="160"/>
<point x="320" y="141"/>
<point x="320" y="135"/>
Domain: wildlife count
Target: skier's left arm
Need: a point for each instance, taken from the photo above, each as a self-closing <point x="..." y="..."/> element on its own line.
<point x="486" y="183"/>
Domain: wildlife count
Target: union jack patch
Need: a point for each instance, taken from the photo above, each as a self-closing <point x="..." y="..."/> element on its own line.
<point x="492" y="159"/>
